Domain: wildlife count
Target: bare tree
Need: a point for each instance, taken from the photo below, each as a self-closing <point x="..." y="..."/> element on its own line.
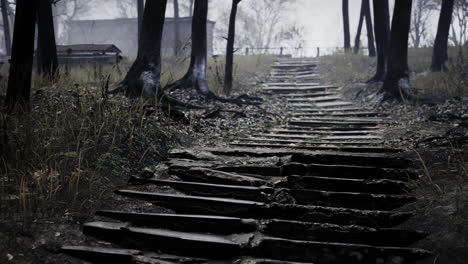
<point x="419" y="18"/>
<point x="177" y="42"/>
<point x="370" y="30"/>
<point x="460" y="13"/>
<point x="6" y="27"/>
<point x="19" y="81"/>
<point x="347" y="36"/>
<point x="196" y="74"/>
<point x="382" y="36"/>
<point x="140" y="10"/>
<point x="259" y="24"/>
<point x="47" y="50"/>
<point x="396" y="82"/>
<point x="365" y="14"/>
<point x="230" y="48"/>
<point x="143" y="78"/>
<point x="439" y="55"/>
<point x="68" y="10"/>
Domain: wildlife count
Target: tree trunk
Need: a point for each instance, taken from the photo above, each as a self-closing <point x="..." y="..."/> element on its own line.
<point x="347" y="37"/>
<point x="177" y="44"/>
<point x="396" y="82"/>
<point x="370" y="30"/>
<point x="196" y="74"/>
<point x="19" y="81"/>
<point x="439" y="55"/>
<point x="6" y="27"/>
<point x="47" y="48"/>
<point x="191" y="8"/>
<point x="230" y="49"/>
<point x="140" y="10"/>
<point x="143" y="78"/>
<point x="357" y="40"/>
<point x="382" y="35"/>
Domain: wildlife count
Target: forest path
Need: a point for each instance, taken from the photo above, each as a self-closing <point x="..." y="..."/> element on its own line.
<point x="322" y="189"/>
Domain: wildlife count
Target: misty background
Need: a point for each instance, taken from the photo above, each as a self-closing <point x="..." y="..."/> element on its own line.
<point x="299" y="26"/>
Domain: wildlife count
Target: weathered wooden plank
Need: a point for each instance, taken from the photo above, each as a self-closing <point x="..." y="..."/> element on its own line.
<point x="319" y="252"/>
<point x="103" y="255"/>
<point x="300" y="106"/>
<point x="318" y="141"/>
<point x="334" y="114"/>
<point x="347" y="171"/>
<point x="295" y="131"/>
<point x="215" y="176"/>
<point x="324" y="147"/>
<point x="315" y="99"/>
<point x="249" y="209"/>
<point x="276" y="228"/>
<point x="217" y="190"/>
<point x="375" y="186"/>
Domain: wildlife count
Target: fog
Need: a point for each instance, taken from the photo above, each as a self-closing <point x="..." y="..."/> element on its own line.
<point x="319" y="21"/>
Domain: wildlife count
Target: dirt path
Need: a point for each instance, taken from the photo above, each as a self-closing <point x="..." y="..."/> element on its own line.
<point x="322" y="189"/>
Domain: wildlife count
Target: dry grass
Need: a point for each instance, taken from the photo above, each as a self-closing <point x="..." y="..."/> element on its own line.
<point x="345" y="69"/>
<point x="248" y="70"/>
<point x="75" y="143"/>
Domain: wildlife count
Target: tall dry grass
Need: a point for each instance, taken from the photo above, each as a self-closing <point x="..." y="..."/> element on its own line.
<point x="350" y="68"/>
<point x="75" y="142"/>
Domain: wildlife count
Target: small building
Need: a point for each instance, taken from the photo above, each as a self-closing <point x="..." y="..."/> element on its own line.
<point x="123" y="33"/>
<point x="85" y="53"/>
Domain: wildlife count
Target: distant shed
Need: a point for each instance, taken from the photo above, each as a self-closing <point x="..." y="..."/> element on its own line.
<point x="123" y="32"/>
<point x="88" y="53"/>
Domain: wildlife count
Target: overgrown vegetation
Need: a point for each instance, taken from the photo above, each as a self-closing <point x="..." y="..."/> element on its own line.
<point x="350" y="68"/>
<point x="75" y="143"/>
<point x="248" y="70"/>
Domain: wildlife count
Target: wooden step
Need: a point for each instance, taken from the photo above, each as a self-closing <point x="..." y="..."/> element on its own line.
<point x="250" y="209"/>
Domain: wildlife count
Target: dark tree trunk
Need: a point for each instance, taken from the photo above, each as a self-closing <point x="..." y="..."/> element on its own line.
<point x="396" y="82"/>
<point x="357" y="40"/>
<point x="143" y="78"/>
<point x="440" y="56"/>
<point x="177" y="43"/>
<point x="370" y="30"/>
<point x="6" y="27"/>
<point x="347" y="36"/>
<point x="19" y="81"/>
<point x="140" y="10"/>
<point x="47" y="49"/>
<point x="228" y="78"/>
<point x="191" y="7"/>
<point x="196" y="74"/>
<point x="382" y="36"/>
